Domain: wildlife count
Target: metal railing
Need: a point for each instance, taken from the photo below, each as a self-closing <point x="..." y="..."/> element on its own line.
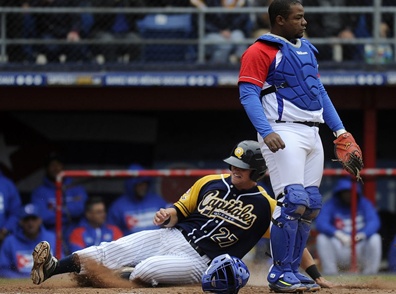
<point x="199" y="39"/>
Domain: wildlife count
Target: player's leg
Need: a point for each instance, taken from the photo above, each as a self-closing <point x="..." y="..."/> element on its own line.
<point x="344" y="255"/>
<point x="132" y="249"/>
<point x="304" y="227"/>
<point x="288" y="168"/>
<point x="176" y="263"/>
<point x="283" y="239"/>
<point x="284" y="225"/>
<point x="125" y="251"/>
<point x="312" y="178"/>
<point x="327" y="252"/>
<point x="371" y="254"/>
<point x="170" y="269"/>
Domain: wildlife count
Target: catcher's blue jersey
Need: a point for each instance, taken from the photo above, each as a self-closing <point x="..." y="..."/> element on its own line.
<point x="230" y="221"/>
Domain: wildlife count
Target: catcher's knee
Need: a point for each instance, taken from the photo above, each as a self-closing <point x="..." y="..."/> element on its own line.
<point x="295" y="202"/>
<point x="315" y="203"/>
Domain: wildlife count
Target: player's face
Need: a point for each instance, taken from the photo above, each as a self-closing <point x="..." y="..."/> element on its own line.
<point x="31" y="226"/>
<point x="240" y="178"/>
<point x="295" y="24"/>
<point x="54" y="168"/>
<point x="97" y="214"/>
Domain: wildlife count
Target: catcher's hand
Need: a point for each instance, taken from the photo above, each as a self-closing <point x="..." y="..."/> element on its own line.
<point x="348" y="153"/>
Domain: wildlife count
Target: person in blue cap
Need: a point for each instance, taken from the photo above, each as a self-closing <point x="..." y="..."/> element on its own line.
<point x="334" y="225"/>
<point x="133" y="211"/>
<point x="16" y="252"/>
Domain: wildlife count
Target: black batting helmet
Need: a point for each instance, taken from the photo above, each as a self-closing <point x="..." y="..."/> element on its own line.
<point x="247" y="155"/>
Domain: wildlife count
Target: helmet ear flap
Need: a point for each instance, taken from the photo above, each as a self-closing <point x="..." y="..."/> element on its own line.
<point x="258" y="174"/>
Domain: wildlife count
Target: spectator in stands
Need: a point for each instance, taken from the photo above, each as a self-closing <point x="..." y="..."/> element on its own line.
<point x="16" y="253"/>
<point x="44" y="196"/>
<point x="261" y="23"/>
<point x="334" y="225"/>
<point x="110" y="27"/>
<point x="10" y="203"/>
<point x="19" y="26"/>
<point x="332" y="25"/>
<point x="364" y="29"/>
<point x="133" y="211"/>
<point x="60" y="27"/>
<point x="229" y="29"/>
<point x="392" y="256"/>
<point x="93" y="228"/>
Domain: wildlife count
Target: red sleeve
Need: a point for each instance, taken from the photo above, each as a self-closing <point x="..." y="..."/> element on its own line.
<point x="256" y="62"/>
<point x="76" y="237"/>
<point x="117" y="234"/>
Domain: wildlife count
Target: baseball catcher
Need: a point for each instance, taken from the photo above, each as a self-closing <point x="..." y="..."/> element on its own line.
<point x="348" y="153"/>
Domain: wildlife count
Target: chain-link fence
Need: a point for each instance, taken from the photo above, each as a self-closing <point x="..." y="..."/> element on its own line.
<point x="343" y="31"/>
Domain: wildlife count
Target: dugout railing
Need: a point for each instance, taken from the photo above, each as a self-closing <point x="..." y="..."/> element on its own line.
<point x="376" y="11"/>
<point x="367" y="174"/>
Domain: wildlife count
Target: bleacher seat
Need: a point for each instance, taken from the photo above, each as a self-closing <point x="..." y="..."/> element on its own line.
<point x="167" y="26"/>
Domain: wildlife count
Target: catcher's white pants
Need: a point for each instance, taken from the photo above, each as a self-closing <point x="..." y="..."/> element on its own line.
<point x="160" y="256"/>
<point x="301" y="162"/>
<point x="334" y="256"/>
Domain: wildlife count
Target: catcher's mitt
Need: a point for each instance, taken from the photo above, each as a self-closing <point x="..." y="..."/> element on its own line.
<point x="348" y="153"/>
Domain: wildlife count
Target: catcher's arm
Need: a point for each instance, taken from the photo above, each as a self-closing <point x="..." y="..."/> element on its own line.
<point x="348" y="153"/>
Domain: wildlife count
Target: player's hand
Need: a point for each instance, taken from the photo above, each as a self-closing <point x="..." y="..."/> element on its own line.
<point x="345" y="239"/>
<point x="274" y="142"/>
<point x="322" y="282"/>
<point x="360" y="237"/>
<point x="160" y="217"/>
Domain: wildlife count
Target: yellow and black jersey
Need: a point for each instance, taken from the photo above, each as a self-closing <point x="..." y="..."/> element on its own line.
<point x="221" y="219"/>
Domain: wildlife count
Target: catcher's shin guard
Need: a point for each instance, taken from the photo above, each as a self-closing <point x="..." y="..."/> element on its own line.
<point x="284" y="232"/>
<point x="302" y="235"/>
<point x="304" y="225"/>
<point x="283" y="237"/>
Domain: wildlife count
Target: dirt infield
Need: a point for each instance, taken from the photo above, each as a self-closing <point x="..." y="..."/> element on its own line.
<point x="100" y="280"/>
<point x="64" y="284"/>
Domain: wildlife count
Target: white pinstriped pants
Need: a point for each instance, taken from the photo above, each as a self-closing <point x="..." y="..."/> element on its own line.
<point x="160" y="256"/>
<point x="335" y="256"/>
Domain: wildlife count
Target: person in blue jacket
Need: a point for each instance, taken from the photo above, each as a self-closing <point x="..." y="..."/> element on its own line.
<point x="93" y="228"/>
<point x="16" y="253"/>
<point x="10" y="202"/>
<point x="44" y="196"/>
<point x="133" y="211"/>
<point x="334" y="225"/>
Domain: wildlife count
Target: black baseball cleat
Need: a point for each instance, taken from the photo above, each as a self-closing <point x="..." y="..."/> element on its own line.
<point x="44" y="263"/>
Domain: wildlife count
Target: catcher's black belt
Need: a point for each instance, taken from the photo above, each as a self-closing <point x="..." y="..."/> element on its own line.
<point x="193" y="245"/>
<point x="307" y="123"/>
